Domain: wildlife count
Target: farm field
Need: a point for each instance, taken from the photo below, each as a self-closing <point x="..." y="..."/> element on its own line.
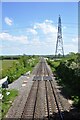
<point x="14" y="68"/>
<point x="5" y="65"/>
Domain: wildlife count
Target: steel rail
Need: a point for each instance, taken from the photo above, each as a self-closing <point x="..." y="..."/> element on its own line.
<point x="47" y="100"/>
<point x="60" y="114"/>
<point x="35" y="100"/>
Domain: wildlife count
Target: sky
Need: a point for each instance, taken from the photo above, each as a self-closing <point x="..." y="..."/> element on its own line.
<point x="39" y="0"/>
<point x="31" y="27"/>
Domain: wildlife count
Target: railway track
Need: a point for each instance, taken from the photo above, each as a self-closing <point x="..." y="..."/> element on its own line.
<point x="58" y="103"/>
<point x="43" y="101"/>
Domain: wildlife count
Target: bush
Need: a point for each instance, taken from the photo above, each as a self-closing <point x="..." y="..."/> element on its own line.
<point x="68" y="74"/>
<point x="24" y="64"/>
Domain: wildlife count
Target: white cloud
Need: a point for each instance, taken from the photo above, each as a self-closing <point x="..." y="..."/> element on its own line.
<point x="75" y="40"/>
<point x="40" y="39"/>
<point x="8" y="21"/>
<point x="33" y="31"/>
<point x="1" y="47"/>
<point x="46" y="27"/>
<point x="64" y="27"/>
<point x="48" y="21"/>
<point x="45" y="35"/>
<point x="9" y="37"/>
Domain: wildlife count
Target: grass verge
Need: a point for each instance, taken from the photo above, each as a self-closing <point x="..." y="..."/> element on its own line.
<point x="7" y="100"/>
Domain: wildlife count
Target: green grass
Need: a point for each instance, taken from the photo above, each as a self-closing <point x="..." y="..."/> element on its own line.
<point x="53" y="64"/>
<point x="0" y="68"/>
<point x="5" y="65"/>
<point x="7" y="100"/>
<point x="56" y="63"/>
<point x="15" y="68"/>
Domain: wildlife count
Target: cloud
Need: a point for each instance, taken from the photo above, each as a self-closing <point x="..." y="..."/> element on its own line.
<point x="64" y="27"/>
<point x="47" y="27"/>
<point x="45" y="34"/>
<point x="41" y="38"/>
<point x="1" y="47"/>
<point x="75" y="40"/>
<point x="33" y="31"/>
<point x="8" y="21"/>
<point x="9" y="37"/>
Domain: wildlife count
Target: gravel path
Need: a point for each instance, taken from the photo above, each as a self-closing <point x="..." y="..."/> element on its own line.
<point x="23" y="84"/>
<point x="22" y="81"/>
<point x="63" y="100"/>
<point x="67" y="104"/>
<point x="18" y="84"/>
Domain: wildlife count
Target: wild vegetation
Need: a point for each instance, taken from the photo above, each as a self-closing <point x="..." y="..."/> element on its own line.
<point x="13" y="67"/>
<point x="6" y="102"/>
<point x="17" y="67"/>
<point x="67" y="71"/>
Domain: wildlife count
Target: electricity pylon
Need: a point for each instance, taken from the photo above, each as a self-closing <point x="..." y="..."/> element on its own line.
<point x="59" y="44"/>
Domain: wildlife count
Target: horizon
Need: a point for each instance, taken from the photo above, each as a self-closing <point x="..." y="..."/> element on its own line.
<point x="37" y="54"/>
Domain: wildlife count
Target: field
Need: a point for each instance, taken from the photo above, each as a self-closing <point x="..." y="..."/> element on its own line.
<point x="5" y="65"/>
<point x="14" y="68"/>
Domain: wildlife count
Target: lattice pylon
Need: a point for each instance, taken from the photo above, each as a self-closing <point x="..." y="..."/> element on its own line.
<point x="59" y="44"/>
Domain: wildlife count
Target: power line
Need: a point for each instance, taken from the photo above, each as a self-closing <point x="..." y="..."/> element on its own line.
<point x="24" y="27"/>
